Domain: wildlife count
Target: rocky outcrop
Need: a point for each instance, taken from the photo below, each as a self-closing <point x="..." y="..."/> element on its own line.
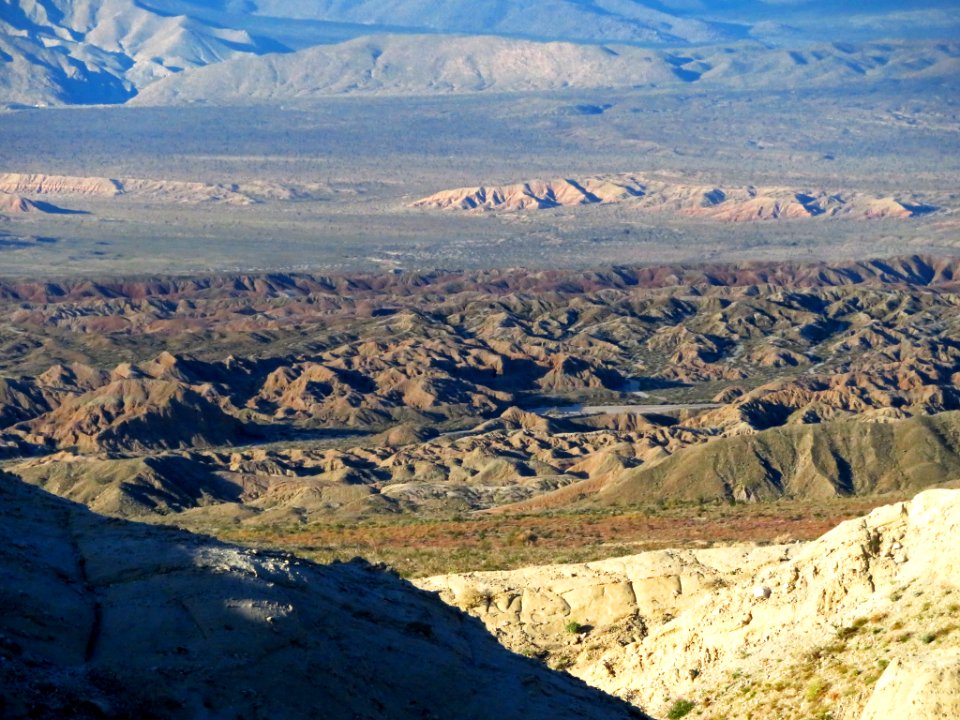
<point x="923" y="686"/>
<point x="771" y="629"/>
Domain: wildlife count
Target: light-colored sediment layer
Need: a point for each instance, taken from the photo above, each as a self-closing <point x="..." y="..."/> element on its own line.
<point x="102" y="187"/>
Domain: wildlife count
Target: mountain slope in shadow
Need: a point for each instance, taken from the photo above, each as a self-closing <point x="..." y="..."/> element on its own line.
<point x="107" y="619"/>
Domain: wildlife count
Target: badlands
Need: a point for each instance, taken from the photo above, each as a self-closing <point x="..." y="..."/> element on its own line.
<point x="718" y="420"/>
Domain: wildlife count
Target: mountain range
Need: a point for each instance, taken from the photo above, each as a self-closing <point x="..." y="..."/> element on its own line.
<point x="56" y="52"/>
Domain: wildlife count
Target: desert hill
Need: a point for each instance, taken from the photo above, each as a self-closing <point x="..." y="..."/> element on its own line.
<point x="823" y="460"/>
<point x="939" y="272"/>
<point x="518" y="470"/>
<point x="94" y="606"/>
<point x="137" y="414"/>
<point x="736" y="204"/>
<point x="36" y="186"/>
<point x="12" y="204"/>
<point x="861" y="619"/>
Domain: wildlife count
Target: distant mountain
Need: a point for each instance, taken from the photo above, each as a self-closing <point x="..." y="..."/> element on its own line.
<point x="635" y="21"/>
<point x="102" y="51"/>
<point x="107" y="51"/>
<point x="576" y="20"/>
<point x="419" y="65"/>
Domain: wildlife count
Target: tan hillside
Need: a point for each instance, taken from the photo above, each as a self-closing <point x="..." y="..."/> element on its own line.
<point x="12" y="204"/>
<point x="41" y="185"/>
<point x="848" y="457"/>
<point x="131" y="487"/>
<point x="553" y="466"/>
<point x="797" y="631"/>
<point x="136" y="414"/>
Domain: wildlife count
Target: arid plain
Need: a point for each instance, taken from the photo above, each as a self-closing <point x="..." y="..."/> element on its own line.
<point x="326" y="186"/>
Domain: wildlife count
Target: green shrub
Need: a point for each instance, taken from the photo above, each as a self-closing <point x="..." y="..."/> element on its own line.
<point x="817" y="689"/>
<point x="681" y="708"/>
<point x="574" y="628"/>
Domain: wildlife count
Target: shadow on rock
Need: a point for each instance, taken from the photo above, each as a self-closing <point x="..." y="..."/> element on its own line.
<point x="107" y="618"/>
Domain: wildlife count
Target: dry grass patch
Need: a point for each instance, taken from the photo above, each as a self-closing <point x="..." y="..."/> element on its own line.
<point x="419" y="547"/>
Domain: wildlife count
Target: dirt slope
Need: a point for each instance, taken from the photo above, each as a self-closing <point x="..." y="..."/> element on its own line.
<point x="824" y="460"/>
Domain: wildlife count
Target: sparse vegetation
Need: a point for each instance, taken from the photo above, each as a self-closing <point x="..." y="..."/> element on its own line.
<point x="475" y="598"/>
<point x="816" y="690"/>
<point x="680" y="709"/>
<point x="431" y="546"/>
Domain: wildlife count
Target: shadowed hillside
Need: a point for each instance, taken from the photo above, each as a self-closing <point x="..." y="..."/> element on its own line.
<point x="108" y="619"/>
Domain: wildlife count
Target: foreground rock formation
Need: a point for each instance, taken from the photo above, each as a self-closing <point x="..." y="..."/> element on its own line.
<point x="108" y="619"/>
<point x="863" y="622"/>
